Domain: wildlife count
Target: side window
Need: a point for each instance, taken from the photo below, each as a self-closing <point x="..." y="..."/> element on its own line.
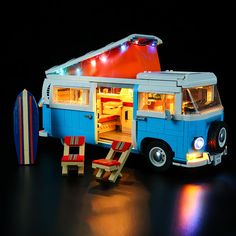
<point x="77" y="96"/>
<point x="156" y="102"/>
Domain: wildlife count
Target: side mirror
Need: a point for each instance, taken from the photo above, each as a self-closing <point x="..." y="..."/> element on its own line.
<point x="168" y="115"/>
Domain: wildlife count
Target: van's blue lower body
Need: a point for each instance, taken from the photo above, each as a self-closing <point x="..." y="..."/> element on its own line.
<point x="178" y="134"/>
<point x="62" y="122"/>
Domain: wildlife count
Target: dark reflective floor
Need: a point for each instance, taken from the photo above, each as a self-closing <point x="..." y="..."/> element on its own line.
<point x="37" y="200"/>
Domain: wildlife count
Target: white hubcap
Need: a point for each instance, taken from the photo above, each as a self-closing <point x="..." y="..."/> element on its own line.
<point x="222" y="137"/>
<point x="157" y="156"/>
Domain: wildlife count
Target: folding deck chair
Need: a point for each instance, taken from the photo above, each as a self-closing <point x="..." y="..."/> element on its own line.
<point x="113" y="162"/>
<point x="73" y="159"/>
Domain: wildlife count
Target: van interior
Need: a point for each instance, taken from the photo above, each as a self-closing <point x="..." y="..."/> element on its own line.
<point x="114" y="114"/>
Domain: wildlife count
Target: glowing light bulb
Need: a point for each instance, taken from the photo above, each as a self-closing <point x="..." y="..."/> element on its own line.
<point x="78" y="71"/>
<point x="123" y="47"/>
<point x="103" y="58"/>
<point x="93" y="62"/>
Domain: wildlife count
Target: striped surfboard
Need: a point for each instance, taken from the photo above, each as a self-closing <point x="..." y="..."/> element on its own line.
<point x="26" y="128"/>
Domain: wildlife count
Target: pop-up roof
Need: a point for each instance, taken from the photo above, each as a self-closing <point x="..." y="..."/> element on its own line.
<point x="122" y="59"/>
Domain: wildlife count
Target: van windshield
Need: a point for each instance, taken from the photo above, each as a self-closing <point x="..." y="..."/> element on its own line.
<point x="198" y="99"/>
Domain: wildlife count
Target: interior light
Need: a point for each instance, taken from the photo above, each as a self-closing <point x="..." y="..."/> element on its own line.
<point x="123" y="47"/>
<point x="78" y="71"/>
<point x="93" y="62"/>
<point x="135" y="40"/>
<point x="103" y="58"/>
<point x="198" y="143"/>
<point x="154" y="43"/>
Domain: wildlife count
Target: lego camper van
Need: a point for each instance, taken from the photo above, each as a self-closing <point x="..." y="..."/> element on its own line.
<point x="119" y="92"/>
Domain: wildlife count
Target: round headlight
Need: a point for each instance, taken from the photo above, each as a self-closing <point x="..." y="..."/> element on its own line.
<point x="198" y="143"/>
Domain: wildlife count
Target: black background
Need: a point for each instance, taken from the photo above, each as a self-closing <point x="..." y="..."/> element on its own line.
<point x="37" y="36"/>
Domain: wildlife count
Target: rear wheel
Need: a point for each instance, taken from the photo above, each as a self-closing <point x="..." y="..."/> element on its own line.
<point x="158" y="156"/>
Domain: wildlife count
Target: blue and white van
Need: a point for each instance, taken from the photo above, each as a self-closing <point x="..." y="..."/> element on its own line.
<point x="172" y="117"/>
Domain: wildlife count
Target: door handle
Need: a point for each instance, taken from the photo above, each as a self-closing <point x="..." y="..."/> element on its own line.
<point x="142" y="118"/>
<point x="89" y="116"/>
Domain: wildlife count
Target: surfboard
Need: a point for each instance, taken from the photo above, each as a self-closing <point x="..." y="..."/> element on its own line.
<point x="26" y="128"/>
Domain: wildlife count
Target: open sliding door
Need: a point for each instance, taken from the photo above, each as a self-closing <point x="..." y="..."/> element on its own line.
<point x="114" y="112"/>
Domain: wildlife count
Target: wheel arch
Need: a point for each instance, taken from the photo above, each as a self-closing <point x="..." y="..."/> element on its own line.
<point x="148" y="140"/>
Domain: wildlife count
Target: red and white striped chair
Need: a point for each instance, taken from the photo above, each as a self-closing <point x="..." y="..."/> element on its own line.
<point x="73" y="159"/>
<point x="114" y="161"/>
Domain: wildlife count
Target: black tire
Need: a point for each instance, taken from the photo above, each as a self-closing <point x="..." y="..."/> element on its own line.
<point x="158" y="156"/>
<point x="217" y="137"/>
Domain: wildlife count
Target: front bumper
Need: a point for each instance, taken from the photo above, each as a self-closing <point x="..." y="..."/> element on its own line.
<point x="203" y="159"/>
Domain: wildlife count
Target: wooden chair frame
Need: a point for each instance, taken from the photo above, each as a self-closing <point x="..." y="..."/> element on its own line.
<point x="109" y="164"/>
<point x="73" y="159"/>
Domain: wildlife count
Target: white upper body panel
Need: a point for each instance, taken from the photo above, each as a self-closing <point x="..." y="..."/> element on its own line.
<point x="182" y="78"/>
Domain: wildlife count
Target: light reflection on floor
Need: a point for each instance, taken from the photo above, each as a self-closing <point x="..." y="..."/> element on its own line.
<point x="190" y="205"/>
<point x="118" y="214"/>
<point x="111" y="215"/>
<point x="142" y="203"/>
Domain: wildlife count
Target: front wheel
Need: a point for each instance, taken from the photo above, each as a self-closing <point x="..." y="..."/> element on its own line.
<point x="158" y="156"/>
